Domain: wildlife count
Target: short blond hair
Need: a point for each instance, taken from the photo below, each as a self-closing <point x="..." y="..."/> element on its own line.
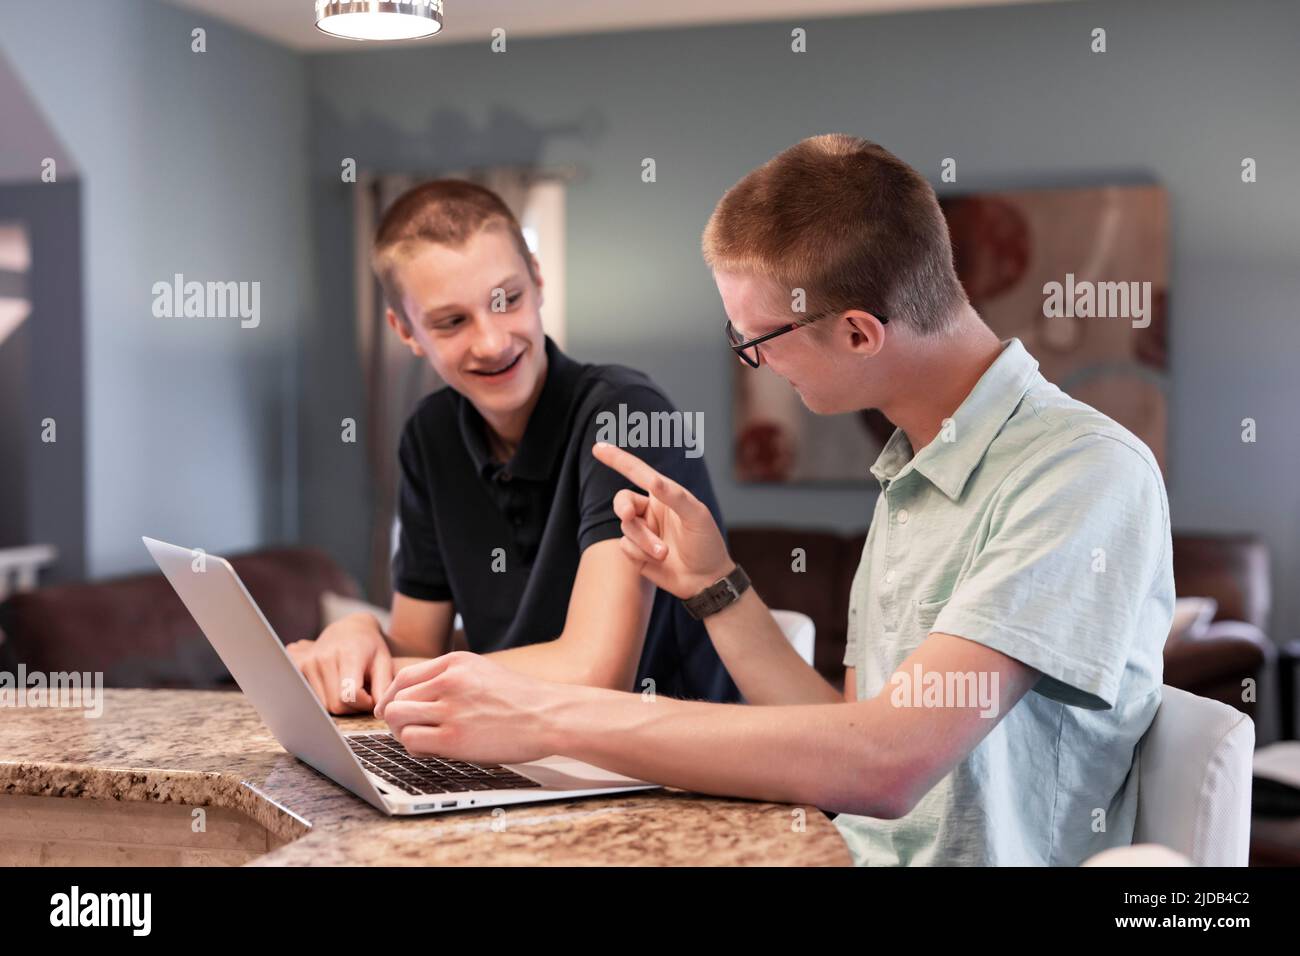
<point x="448" y="212"/>
<point x="848" y="222"/>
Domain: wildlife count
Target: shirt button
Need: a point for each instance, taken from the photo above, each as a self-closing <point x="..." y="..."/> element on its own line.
<point x="903" y="516"/>
<point x="889" y="576"/>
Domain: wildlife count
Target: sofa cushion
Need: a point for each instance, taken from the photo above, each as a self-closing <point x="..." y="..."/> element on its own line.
<point x="139" y="634"/>
<point x="805" y="571"/>
<point x="1232" y="570"/>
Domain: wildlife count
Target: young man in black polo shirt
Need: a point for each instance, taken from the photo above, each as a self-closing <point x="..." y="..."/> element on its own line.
<point x="505" y="516"/>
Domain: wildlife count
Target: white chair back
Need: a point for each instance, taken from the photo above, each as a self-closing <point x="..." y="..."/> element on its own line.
<point x="800" y="631"/>
<point x="1194" y="779"/>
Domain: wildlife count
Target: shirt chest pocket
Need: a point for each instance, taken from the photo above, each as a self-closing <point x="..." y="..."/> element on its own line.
<point x="927" y="610"/>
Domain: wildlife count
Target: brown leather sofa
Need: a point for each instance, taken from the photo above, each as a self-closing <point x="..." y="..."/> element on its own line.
<point x="139" y="634"/>
<point x="1232" y="569"/>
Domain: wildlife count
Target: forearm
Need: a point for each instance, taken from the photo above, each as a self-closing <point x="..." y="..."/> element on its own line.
<point x="604" y="629"/>
<point x="416" y="628"/>
<point x="825" y="755"/>
<point x="406" y="647"/>
<point x="760" y="659"/>
<point x="551" y="661"/>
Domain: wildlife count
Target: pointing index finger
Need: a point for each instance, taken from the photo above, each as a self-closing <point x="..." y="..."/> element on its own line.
<point x="629" y="466"/>
<point x="642" y="475"/>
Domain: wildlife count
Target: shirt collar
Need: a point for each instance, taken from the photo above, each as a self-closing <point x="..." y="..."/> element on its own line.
<point x="977" y="421"/>
<point x="547" y="428"/>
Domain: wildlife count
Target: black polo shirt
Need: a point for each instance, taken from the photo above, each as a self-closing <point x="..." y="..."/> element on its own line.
<point x="502" y="542"/>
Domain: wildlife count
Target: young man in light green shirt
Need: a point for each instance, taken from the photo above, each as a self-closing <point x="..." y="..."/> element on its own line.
<point x="1008" y="617"/>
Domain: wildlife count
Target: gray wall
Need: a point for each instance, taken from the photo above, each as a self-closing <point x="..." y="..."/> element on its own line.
<point x="1186" y="90"/>
<point x="27" y="137"/>
<point x="42" y="484"/>
<point x="204" y="164"/>
<point x="14" y="416"/>
<point x="189" y="163"/>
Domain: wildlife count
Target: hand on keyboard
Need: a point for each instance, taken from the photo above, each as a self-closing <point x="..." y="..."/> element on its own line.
<point x="468" y="707"/>
<point x="348" y="667"/>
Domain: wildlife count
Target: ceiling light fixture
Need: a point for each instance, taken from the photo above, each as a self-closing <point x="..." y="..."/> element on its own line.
<point x="379" y="19"/>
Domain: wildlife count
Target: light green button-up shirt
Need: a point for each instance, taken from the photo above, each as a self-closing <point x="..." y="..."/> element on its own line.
<point x="1036" y="526"/>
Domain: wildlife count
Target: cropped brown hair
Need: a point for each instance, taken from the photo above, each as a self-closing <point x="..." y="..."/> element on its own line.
<point x="848" y="222"/>
<point x="446" y="212"/>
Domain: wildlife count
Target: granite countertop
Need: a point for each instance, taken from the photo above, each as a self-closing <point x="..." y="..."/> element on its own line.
<point x="210" y="749"/>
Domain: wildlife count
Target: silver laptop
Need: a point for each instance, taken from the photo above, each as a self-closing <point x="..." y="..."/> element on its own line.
<point x="373" y="765"/>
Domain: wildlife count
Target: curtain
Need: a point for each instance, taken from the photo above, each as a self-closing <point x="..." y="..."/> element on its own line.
<point x="395" y="380"/>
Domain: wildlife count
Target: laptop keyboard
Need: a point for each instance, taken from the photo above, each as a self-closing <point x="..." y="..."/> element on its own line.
<point x="384" y="756"/>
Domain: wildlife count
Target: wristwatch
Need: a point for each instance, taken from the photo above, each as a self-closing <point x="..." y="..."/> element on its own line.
<point x="715" y="597"/>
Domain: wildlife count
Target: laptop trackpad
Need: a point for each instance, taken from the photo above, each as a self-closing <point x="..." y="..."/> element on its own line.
<point x="564" y="773"/>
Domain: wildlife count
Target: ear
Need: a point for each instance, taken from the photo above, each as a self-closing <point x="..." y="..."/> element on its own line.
<point x="862" y="332"/>
<point x="537" y="271"/>
<point x="403" y="332"/>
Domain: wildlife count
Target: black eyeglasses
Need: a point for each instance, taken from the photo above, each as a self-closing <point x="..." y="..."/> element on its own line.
<point x="739" y="345"/>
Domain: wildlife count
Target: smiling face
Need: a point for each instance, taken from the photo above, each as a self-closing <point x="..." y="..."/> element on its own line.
<point x="822" y="361"/>
<point x="475" y="315"/>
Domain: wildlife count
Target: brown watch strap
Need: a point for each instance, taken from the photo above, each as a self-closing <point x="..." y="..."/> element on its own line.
<point x="725" y="591"/>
